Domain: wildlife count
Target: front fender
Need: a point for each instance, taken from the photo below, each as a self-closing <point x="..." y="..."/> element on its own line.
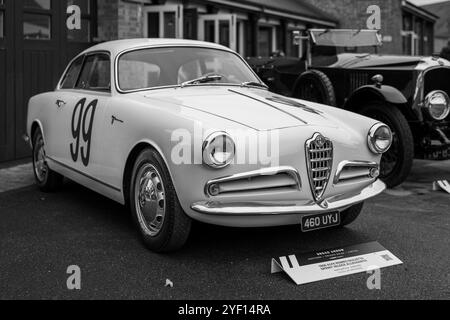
<point x="383" y="92"/>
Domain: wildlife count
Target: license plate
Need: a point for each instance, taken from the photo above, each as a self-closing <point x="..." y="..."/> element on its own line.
<point x="320" y="221"/>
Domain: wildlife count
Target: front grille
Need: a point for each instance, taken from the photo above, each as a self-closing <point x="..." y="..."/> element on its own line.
<point x="357" y="80"/>
<point x="319" y="157"/>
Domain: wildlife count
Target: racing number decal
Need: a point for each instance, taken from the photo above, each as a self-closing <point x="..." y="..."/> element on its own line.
<point x="82" y="121"/>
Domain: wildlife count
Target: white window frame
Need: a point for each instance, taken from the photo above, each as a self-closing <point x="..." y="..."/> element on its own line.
<point x="240" y="28"/>
<point x="414" y="41"/>
<point x="231" y="18"/>
<point x="161" y="9"/>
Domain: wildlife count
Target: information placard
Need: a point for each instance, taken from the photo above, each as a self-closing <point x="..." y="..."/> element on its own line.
<point x="336" y="262"/>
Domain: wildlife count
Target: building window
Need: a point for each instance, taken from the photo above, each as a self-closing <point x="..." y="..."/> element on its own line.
<point x="218" y="28"/>
<point x="265" y="41"/>
<point x="163" y="21"/>
<point x="37" y="19"/>
<point x="88" y="21"/>
<point x="36" y="26"/>
<point x="153" y="25"/>
<point x="37" y="4"/>
<point x="409" y="37"/>
<point x="418" y="29"/>
<point x="169" y="25"/>
<point x="190" y="23"/>
<point x="267" y="36"/>
<point x="428" y="39"/>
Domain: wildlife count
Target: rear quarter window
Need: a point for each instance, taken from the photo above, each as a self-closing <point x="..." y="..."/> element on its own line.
<point x="96" y="73"/>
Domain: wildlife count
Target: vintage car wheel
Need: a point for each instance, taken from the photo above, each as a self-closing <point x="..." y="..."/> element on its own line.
<point x="315" y="86"/>
<point x="396" y="163"/>
<point x="46" y="179"/>
<point x="350" y="215"/>
<point x="154" y="204"/>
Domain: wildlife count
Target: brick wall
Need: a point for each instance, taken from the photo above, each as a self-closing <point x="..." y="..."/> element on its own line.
<point x="119" y="20"/>
<point x="352" y="14"/>
<point x="131" y="20"/>
<point x="107" y="20"/>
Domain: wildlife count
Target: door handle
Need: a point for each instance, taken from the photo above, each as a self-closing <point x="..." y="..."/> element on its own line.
<point x="60" y="103"/>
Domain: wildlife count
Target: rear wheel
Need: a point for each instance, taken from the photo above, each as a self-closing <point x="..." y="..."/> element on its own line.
<point x="396" y="163"/>
<point x="156" y="210"/>
<point x="46" y="179"/>
<point x="315" y="86"/>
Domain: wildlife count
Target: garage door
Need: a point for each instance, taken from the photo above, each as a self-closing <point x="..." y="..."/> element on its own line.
<point x="34" y="49"/>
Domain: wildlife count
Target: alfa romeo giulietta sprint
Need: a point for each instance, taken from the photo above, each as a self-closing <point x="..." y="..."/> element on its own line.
<point x="179" y="130"/>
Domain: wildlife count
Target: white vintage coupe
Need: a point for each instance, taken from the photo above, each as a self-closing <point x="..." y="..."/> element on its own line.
<point x="175" y="130"/>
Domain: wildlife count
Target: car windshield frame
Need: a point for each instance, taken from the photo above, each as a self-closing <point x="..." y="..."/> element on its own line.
<point x="125" y="91"/>
<point x="353" y="35"/>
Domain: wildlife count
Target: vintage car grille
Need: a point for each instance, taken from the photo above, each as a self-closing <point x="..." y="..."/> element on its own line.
<point x="319" y="157"/>
<point x="358" y="79"/>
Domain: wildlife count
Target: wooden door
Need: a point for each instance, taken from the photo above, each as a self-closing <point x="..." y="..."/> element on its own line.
<point x="7" y="112"/>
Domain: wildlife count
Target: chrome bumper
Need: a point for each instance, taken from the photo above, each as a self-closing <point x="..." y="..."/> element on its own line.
<point x="336" y="203"/>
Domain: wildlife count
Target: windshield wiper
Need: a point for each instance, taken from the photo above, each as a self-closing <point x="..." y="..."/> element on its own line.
<point x="202" y="79"/>
<point x="254" y="84"/>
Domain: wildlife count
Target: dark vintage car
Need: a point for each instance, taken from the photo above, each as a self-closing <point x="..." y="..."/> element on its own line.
<point x="410" y="94"/>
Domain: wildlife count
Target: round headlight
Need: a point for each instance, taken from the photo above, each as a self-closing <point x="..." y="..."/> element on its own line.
<point x="218" y="150"/>
<point x="379" y="138"/>
<point x="438" y="104"/>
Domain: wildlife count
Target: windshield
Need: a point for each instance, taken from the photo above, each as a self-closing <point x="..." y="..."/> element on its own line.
<point x="173" y="66"/>
<point x="345" y="38"/>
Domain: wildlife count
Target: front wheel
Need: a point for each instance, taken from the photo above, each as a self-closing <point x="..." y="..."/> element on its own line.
<point x="396" y="163"/>
<point x="154" y="204"/>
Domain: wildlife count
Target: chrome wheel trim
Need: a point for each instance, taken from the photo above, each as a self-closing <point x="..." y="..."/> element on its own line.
<point x="39" y="160"/>
<point x="150" y="200"/>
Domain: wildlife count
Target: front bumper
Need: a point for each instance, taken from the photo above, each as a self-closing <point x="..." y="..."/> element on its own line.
<point x="259" y="214"/>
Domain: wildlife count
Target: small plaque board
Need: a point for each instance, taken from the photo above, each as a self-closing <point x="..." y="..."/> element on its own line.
<point x="337" y="262"/>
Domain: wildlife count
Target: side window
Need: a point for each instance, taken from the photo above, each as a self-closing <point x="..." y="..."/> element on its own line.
<point x="96" y="73"/>
<point x="71" y="76"/>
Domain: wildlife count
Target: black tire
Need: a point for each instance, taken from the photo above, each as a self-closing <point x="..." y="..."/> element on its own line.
<point x="350" y="215"/>
<point x="315" y="86"/>
<point x="397" y="162"/>
<point x="46" y="179"/>
<point x="170" y="232"/>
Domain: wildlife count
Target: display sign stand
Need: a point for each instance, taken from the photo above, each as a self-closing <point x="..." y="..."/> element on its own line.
<point x="336" y="262"/>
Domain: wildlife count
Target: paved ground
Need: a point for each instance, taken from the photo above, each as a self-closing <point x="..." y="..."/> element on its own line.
<point x="42" y="234"/>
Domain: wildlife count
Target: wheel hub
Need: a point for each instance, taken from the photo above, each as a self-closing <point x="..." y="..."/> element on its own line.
<point x="150" y="199"/>
<point x="39" y="158"/>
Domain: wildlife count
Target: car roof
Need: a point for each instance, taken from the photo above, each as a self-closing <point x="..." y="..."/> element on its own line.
<point x="117" y="46"/>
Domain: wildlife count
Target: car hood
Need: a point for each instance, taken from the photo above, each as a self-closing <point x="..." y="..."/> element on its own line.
<point x="254" y="108"/>
<point x="348" y="60"/>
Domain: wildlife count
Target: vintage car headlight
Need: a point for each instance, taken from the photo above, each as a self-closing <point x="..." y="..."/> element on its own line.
<point x="438" y="104"/>
<point x="218" y="150"/>
<point x="379" y="138"/>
